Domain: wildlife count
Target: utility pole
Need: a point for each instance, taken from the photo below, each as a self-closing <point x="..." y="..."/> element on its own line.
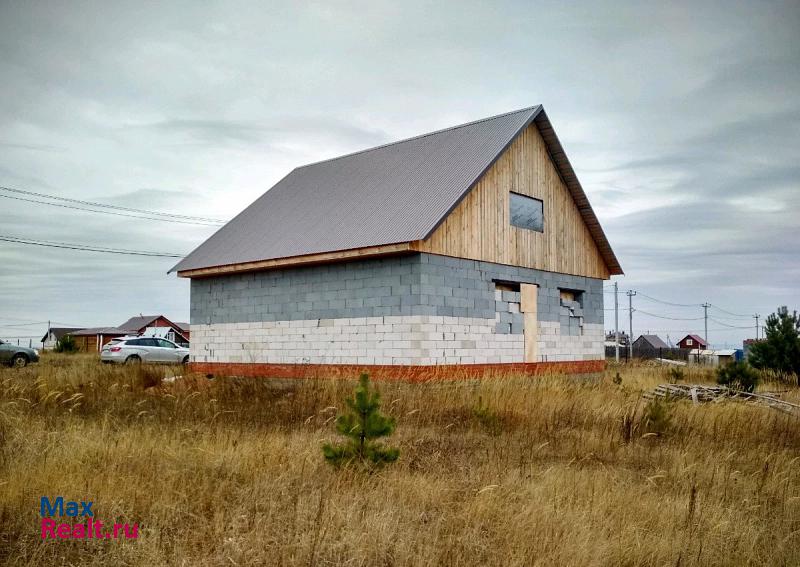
<point x="706" y="305"/>
<point x="631" y="293"/>
<point x="756" y="316"/>
<point x="616" y="321"/>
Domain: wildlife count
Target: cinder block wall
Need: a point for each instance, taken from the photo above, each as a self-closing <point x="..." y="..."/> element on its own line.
<point x="417" y="309"/>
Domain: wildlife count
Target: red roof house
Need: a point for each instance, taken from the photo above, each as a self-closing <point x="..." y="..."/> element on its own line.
<point x="693" y="342"/>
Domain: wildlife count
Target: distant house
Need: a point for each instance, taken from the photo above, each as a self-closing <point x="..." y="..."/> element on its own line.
<point x="93" y="339"/>
<point x="55" y="334"/>
<point x="693" y="342"/>
<point x="610" y="339"/>
<point x="649" y="342"/>
<point x="718" y="357"/>
<point x="156" y="326"/>
<point x="184" y="328"/>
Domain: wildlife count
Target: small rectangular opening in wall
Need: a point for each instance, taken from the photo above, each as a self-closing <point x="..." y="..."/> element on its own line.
<point x="508" y="317"/>
<point x="526" y="212"/>
<point x="571" y="296"/>
<point x="571" y="311"/>
<point x="506" y="286"/>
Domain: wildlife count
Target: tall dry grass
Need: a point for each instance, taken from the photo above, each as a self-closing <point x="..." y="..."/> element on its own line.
<point x="507" y="470"/>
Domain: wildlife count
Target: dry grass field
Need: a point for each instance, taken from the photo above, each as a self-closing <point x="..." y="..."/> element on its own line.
<point x="505" y="471"/>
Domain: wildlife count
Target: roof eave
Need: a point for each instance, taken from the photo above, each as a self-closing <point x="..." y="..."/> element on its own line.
<point x="570" y="179"/>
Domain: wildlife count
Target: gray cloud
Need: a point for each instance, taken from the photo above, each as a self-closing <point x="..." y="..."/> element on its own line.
<point x="681" y="119"/>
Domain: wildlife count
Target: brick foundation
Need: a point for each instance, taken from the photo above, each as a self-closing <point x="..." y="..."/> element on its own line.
<point x="420" y="340"/>
<point x="409" y="373"/>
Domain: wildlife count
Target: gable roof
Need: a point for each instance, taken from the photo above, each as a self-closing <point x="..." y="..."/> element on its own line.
<point x="99" y="331"/>
<point x="59" y="332"/>
<point x="697" y="338"/>
<point x="395" y="193"/>
<point x="138" y="323"/>
<point x="653" y="341"/>
<point x="143" y="321"/>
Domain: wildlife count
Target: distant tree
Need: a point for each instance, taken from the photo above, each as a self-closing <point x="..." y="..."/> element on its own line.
<point x="738" y="375"/>
<point x="66" y="344"/>
<point x="362" y="425"/>
<point x="780" y="350"/>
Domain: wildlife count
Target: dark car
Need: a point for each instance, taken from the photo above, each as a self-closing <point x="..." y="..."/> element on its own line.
<point x="17" y="356"/>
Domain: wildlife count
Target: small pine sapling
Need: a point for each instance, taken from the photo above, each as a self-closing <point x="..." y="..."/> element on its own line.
<point x="361" y="426"/>
<point x="739" y="376"/>
<point x="657" y="418"/>
<point x="676" y="375"/>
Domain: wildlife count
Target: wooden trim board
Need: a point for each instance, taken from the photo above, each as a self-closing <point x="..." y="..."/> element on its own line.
<point x="530" y="320"/>
<point x="322" y="258"/>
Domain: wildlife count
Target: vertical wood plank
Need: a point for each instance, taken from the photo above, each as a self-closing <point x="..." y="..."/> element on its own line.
<point x="529" y="293"/>
<point x="480" y="227"/>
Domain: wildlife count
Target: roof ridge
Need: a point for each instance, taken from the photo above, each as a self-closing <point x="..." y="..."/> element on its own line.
<point x="420" y="136"/>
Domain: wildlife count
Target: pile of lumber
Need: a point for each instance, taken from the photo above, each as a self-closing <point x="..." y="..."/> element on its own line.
<point x="700" y="393"/>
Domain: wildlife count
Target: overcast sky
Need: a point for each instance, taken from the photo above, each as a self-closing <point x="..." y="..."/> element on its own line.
<point x="682" y="122"/>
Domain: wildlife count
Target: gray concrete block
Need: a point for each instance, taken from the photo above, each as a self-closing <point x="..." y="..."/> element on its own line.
<point x="460" y="292"/>
<point x="407" y="283"/>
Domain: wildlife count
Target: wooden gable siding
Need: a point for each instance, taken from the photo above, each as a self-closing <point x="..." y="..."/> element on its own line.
<point x="479" y="228"/>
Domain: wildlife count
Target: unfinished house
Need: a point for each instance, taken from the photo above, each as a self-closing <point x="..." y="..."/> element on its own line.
<point x="474" y="245"/>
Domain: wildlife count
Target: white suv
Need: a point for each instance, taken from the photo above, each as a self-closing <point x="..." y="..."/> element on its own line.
<point x="133" y="350"/>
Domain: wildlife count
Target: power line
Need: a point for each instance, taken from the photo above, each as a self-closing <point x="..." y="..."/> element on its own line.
<point x="32" y="322"/>
<point x="609" y="289"/>
<point x="730" y="313"/>
<point x="118" y="214"/>
<point x="20" y="325"/>
<point x="115" y="207"/>
<point x="691" y="331"/>
<point x="730" y="326"/>
<point x="87" y="248"/>
<point x="669" y="302"/>
<point x="669" y="317"/>
<point x="6" y="318"/>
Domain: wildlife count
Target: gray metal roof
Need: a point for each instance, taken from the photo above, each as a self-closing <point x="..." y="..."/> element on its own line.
<point x="398" y="192"/>
<point x="59" y="332"/>
<point x="652" y="340"/>
<point x="99" y="331"/>
<point x="138" y="322"/>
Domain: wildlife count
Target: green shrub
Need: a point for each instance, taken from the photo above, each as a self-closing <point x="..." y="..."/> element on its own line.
<point x="361" y="426"/>
<point x="738" y="376"/>
<point x="66" y="344"/>
<point x="657" y="418"/>
<point x="487" y="417"/>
